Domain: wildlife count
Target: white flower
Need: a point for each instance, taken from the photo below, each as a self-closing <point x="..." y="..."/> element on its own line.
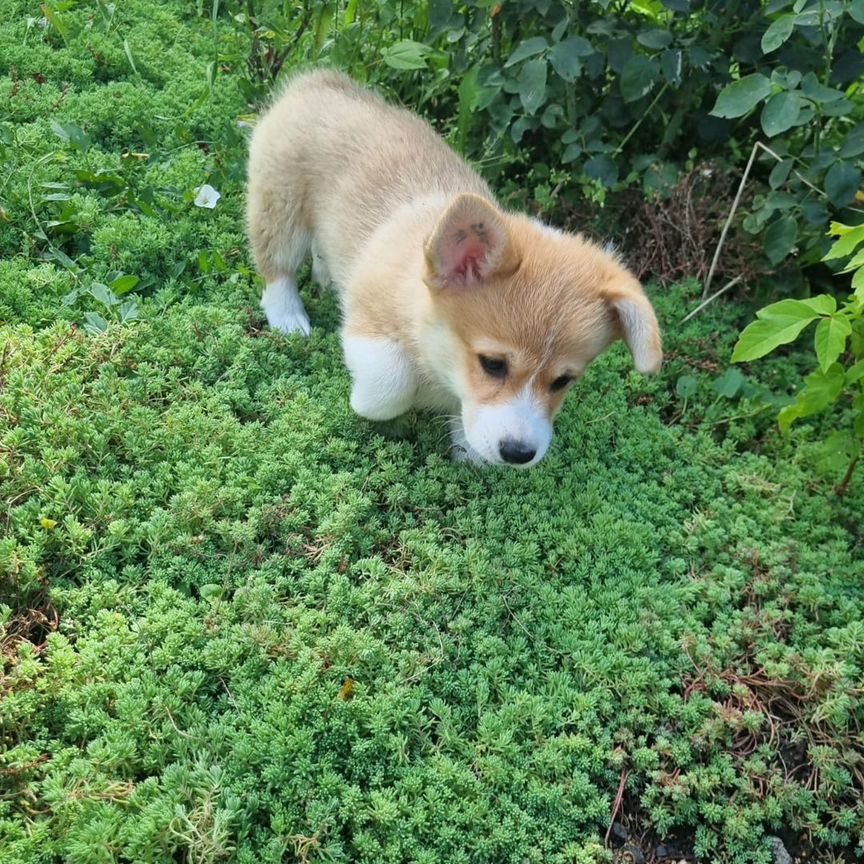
<point x="207" y="196"/>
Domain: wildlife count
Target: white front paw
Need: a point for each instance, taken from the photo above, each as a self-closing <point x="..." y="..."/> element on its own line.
<point x="378" y="406"/>
<point x="383" y="383"/>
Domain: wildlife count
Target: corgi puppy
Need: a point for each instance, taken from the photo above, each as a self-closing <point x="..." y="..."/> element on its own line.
<point x="449" y="302"/>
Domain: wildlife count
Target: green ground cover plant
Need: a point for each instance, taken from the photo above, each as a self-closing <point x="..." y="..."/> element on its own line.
<point x="240" y="624"/>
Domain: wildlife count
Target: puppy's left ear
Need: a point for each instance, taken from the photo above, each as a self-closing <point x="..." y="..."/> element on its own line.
<point x="638" y="326"/>
<point x="469" y="246"/>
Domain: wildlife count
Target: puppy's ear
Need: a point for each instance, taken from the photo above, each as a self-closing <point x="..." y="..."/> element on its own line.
<point x="638" y="326"/>
<point x="469" y="245"/>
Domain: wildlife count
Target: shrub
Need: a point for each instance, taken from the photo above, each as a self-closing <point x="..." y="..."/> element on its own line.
<point x="839" y="374"/>
<point x="561" y="102"/>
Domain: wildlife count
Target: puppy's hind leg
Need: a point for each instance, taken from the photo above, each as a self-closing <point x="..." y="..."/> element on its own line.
<point x="284" y="308"/>
<point x="320" y="273"/>
<point x="279" y="245"/>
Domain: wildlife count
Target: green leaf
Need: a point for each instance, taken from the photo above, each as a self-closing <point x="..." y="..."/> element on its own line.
<point x="566" y="59"/>
<point x="835" y="229"/>
<point x="124" y="284"/>
<point x="813" y="89"/>
<point x="855" y="372"/>
<point x="559" y="29"/>
<point x="778" y="324"/>
<point x="808" y="18"/>
<point x="780" y="238"/>
<point x="128" y="311"/>
<point x="821" y="389"/>
<point x="637" y="77"/>
<point x="326" y="14"/>
<point x="469" y="92"/>
<point x="785" y="79"/>
<point x="602" y="168"/>
<point x="858" y="284"/>
<point x="821" y="304"/>
<point x="526" y="49"/>
<point x="762" y="337"/>
<point x="785" y="310"/>
<point x="95" y="323"/>
<point x="532" y="85"/>
<point x="780" y="113"/>
<point x="686" y="386"/>
<point x="57" y="22"/>
<point x="742" y="96"/>
<point x="853" y="143"/>
<point x="127" y="48"/>
<point x="780" y="173"/>
<point x="729" y="383"/>
<point x="856" y="261"/>
<point x="406" y="54"/>
<point x="672" y="65"/>
<point x="655" y="39"/>
<point x="71" y="298"/>
<point x="841" y="183"/>
<point x="210" y="591"/>
<point x="72" y="134"/>
<point x="846" y="245"/>
<point x="835" y="453"/>
<point x="857" y="343"/>
<point x="779" y="31"/>
<point x="830" y="339"/>
<point x="856" y="11"/>
<point x="103" y="294"/>
<point x="580" y="46"/>
<point x="571" y="153"/>
<point x="788" y="415"/>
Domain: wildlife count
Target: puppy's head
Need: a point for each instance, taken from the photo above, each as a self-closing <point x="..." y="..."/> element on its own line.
<point x="518" y="311"/>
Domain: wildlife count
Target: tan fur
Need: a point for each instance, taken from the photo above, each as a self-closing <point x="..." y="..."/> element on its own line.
<point x="388" y="205"/>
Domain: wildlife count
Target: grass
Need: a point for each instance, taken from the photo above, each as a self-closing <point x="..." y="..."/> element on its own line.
<point x="240" y="624"/>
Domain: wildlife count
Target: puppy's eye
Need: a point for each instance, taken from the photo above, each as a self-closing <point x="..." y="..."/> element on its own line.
<point x="560" y="383"/>
<point x="493" y="366"/>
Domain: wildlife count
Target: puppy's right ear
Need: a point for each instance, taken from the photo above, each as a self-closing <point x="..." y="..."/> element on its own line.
<point x="470" y="244"/>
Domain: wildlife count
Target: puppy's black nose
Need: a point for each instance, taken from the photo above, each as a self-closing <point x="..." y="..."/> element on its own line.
<point x="516" y="452"/>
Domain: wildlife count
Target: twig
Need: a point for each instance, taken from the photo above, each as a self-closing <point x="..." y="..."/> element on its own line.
<point x="279" y="59"/>
<point x="638" y="123"/>
<point x="844" y="483"/>
<point x="730" y="284"/>
<point x="619" y="797"/>
<point x="255" y="49"/>
<point x="756" y="148"/>
<point x="729" y="218"/>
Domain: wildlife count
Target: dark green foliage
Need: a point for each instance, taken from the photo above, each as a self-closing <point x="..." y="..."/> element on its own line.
<point x="239" y="623"/>
<point x="566" y="101"/>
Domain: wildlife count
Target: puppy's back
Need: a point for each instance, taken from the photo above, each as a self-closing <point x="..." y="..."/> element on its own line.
<point x="347" y="159"/>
